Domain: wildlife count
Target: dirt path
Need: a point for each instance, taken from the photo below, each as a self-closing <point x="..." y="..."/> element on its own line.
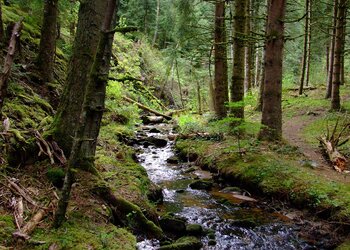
<point x="292" y="132"/>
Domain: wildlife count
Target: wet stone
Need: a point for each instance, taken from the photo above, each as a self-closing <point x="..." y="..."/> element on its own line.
<point x="173" y="160"/>
<point x="194" y="229"/>
<point x="211" y="242"/>
<point x="158" y="142"/>
<point x="173" y="224"/>
<point x="154" y="130"/>
<point x="201" y="185"/>
<point x="184" y="243"/>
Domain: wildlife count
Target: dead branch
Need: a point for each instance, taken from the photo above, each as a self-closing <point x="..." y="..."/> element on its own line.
<point x="15" y="188"/>
<point x="146" y="108"/>
<point x="25" y="232"/>
<point x="51" y="149"/>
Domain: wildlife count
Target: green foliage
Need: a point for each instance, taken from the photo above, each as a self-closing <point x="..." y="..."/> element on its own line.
<point x="56" y="176"/>
<point x="191" y="123"/>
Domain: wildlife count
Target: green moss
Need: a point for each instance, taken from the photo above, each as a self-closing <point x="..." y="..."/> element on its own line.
<point x="344" y="246"/>
<point x="56" y="176"/>
<point x="78" y="233"/>
<point x="7" y="227"/>
<point x="284" y="177"/>
<point x="184" y="243"/>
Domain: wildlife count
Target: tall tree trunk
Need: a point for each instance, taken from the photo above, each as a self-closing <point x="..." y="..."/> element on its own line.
<point x="220" y="89"/>
<point x="90" y="19"/>
<point x="308" y="61"/>
<point x="272" y="94"/>
<point x="338" y="50"/>
<point x="179" y="84"/>
<point x="237" y="85"/>
<point x="248" y="50"/>
<point x="2" y="35"/>
<point x="84" y="146"/>
<point x="342" y="59"/>
<point x="331" y="52"/>
<point x="305" y="51"/>
<point x="47" y="47"/>
<point x="157" y="24"/>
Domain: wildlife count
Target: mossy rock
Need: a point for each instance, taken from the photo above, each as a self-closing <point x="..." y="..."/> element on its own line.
<point x="202" y="185"/>
<point x="56" y="176"/>
<point x="194" y="230"/>
<point x="172" y="224"/>
<point x="184" y="243"/>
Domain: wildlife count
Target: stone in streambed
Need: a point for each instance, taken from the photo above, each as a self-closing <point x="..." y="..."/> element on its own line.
<point x="184" y="243"/>
<point x="155" y="194"/>
<point x="173" y="160"/>
<point x="194" y="230"/>
<point x="152" y="119"/>
<point x="227" y="190"/>
<point x="172" y="224"/>
<point x="158" y="142"/>
<point x="154" y="130"/>
<point x="201" y="185"/>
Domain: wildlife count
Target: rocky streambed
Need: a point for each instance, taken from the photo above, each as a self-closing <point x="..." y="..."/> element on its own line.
<point x="197" y="213"/>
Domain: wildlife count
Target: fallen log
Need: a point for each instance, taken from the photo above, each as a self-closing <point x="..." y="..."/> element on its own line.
<point x="338" y="160"/>
<point x="146" y="108"/>
<point x="15" y="188"/>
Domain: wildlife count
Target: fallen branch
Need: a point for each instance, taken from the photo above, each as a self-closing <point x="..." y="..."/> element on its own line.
<point x="26" y="231"/>
<point x="15" y="188"/>
<point x="51" y="149"/>
<point x="146" y="108"/>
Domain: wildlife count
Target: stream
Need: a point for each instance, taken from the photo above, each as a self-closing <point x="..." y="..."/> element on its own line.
<point x="236" y="225"/>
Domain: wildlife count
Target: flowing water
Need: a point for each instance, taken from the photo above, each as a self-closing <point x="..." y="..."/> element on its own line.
<point x="235" y="226"/>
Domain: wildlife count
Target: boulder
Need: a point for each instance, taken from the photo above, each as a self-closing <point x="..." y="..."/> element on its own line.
<point x="154" y="130"/>
<point x="172" y="224"/>
<point x="152" y="119"/>
<point x="155" y="194"/>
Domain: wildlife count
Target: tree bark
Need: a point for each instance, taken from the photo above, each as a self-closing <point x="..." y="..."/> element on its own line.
<point x="2" y="34"/>
<point x="220" y="90"/>
<point x="84" y="50"/>
<point x="47" y="47"/>
<point x="84" y="145"/>
<point x="248" y="50"/>
<point x="237" y="85"/>
<point x="16" y="32"/>
<point x="305" y="51"/>
<point x="331" y="52"/>
<point x="338" y="50"/>
<point x="272" y="95"/>
<point x="157" y="24"/>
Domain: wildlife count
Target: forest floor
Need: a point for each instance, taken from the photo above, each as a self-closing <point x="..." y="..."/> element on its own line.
<point x="297" y="120"/>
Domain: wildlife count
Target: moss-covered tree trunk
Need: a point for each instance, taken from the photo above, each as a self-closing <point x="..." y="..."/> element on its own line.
<point x="47" y="48"/>
<point x="237" y="85"/>
<point x="90" y="19"/>
<point x="272" y="92"/>
<point x="220" y="89"/>
<point x="84" y="144"/>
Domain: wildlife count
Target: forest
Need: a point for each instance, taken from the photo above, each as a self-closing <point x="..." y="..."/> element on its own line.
<point x="174" y="124"/>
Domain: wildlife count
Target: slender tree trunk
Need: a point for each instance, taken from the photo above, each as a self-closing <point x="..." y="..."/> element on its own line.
<point x="84" y="146"/>
<point x="272" y="94"/>
<point x="342" y="59"/>
<point x="84" y="49"/>
<point x="2" y="35"/>
<point x="237" y="85"/>
<point x="338" y="50"/>
<point x="179" y="84"/>
<point x="248" y="50"/>
<point x="305" y="51"/>
<point x="47" y="47"/>
<point x="199" y="98"/>
<point x="257" y="67"/>
<point x="211" y="83"/>
<point x="157" y="24"/>
<point x="331" y="52"/>
<point x="308" y="61"/>
<point x="220" y="90"/>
